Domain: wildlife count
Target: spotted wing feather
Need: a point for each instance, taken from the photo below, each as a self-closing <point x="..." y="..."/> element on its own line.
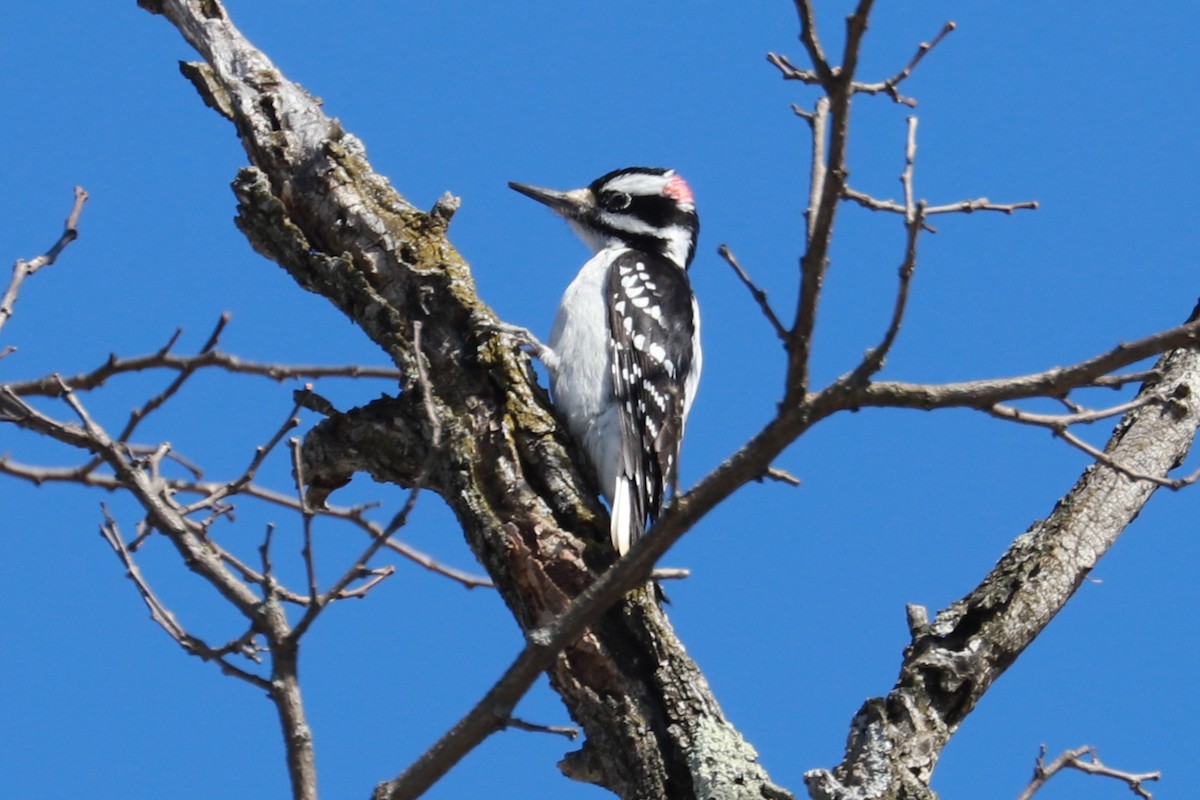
<point x="650" y="315"/>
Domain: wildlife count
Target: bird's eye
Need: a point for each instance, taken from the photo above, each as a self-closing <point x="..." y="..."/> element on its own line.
<point x="614" y="201"/>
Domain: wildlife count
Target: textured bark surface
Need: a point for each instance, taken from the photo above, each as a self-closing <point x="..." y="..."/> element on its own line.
<point x="311" y="202"/>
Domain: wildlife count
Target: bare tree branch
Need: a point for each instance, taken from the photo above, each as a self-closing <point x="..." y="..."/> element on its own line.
<point x="782" y="476"/>
<point x="207" y="489"/>
<point x="818" y="121"/>
<point x="808" y="37"/>
<point x="981" y="204"/>
<point x="827" y="184"/>
<point x="238" y="484"/>
<point x="560" y="730"/>
<point x="1074" y="759"/>
<point x="264" y="579"/>
<point x="983" y="394"/>
<point x="23" y="269"/>
<point x="206" y="359"/>
<point x="955" y="658"/>
<point x="914" y="223"/>
<point x="856" y="28"/>
<point x="167" y="621"/>
<point x="758" y="294"/>
<point x="1079" y="417"/>
<point x="306" y="517"/>
<point x="889" y="86"/>
<point x="189" y="538"/>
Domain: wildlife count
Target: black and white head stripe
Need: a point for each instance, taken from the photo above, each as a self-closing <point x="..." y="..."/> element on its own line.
<point x="648" y="208"/>
<point x="643" y="208"/>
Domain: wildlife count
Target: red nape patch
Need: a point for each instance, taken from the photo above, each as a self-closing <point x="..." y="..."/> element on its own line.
<point x="678" y="189"/>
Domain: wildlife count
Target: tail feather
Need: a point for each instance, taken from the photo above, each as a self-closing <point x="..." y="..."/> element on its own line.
<point x="622" y="516"/>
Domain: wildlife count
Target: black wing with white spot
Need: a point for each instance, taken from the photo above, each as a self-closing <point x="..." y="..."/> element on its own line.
<point x="652" y="326"/>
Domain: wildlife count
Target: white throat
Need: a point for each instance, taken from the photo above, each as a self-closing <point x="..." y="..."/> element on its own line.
<point x="676" y="238"/>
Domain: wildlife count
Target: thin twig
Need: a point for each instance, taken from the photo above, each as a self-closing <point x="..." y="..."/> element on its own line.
<point x="1054" y="382"/>
<point x="144" y="531"/>
<point x="1074" y="759"/>
<point x="889" y="86"/>
<point x="23" y="269"/>
<point x="807" y="116"/>
<point x="250" y="575"/>
<point x="811" y="42"/>
<point x="167" y="620"/>
<point x="568" y="731"/>
<point x="961" y="207"/>
<point x="875" y="204"/>
<point x="759" y="295"/>
<point x="166" y="348"/>
<point x="89" y="425"/>
<point x="906" y="177"/>
<point x="1120" y="381"/>
<point x="355" y="516"/>
<point x="828" y="179"/>
<point x="981" y="204"/>
<point x="819" y="122"/>
<point x="433" y="565"/>
<point x="856" y="28"/>
<point x="165" y="451"/>
<point x="1078" y="417"/>
<point x="1124" y="469"/>
<point x="782" y="476"/>
<point x="1059" y="424"/>
<point x="270" y="588"/>
<point x="306" y="516"/>
<point x="210" y="359"/>
<point x="156" y="402"/>
<point x="914" y="223"/>
<point x="790" y="72"/>
<point x="247" y="477"/>
<point x="377" y="576"/>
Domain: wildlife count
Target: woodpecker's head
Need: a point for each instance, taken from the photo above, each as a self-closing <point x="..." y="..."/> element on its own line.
<point x="645" y="208"/>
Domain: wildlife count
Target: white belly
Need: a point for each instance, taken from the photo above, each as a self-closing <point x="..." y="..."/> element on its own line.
<point x="582" y="383"/>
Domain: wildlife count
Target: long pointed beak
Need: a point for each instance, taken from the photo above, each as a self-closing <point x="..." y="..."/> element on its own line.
<point x="569" y="204"/>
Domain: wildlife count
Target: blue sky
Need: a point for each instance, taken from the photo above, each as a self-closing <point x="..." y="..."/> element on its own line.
<point x="795" y="609"/>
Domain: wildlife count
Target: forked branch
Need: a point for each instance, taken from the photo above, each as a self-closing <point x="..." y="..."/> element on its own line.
<point x="1085" y="759"/>
<point x="955" y="658"/>
<point x="889" y="86"/>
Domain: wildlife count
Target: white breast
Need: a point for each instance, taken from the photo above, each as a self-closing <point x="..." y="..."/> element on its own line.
<point x="582" y="383"/>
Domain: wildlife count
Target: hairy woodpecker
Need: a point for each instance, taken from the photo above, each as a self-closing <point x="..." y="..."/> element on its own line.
<point x="624" y="351"/>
